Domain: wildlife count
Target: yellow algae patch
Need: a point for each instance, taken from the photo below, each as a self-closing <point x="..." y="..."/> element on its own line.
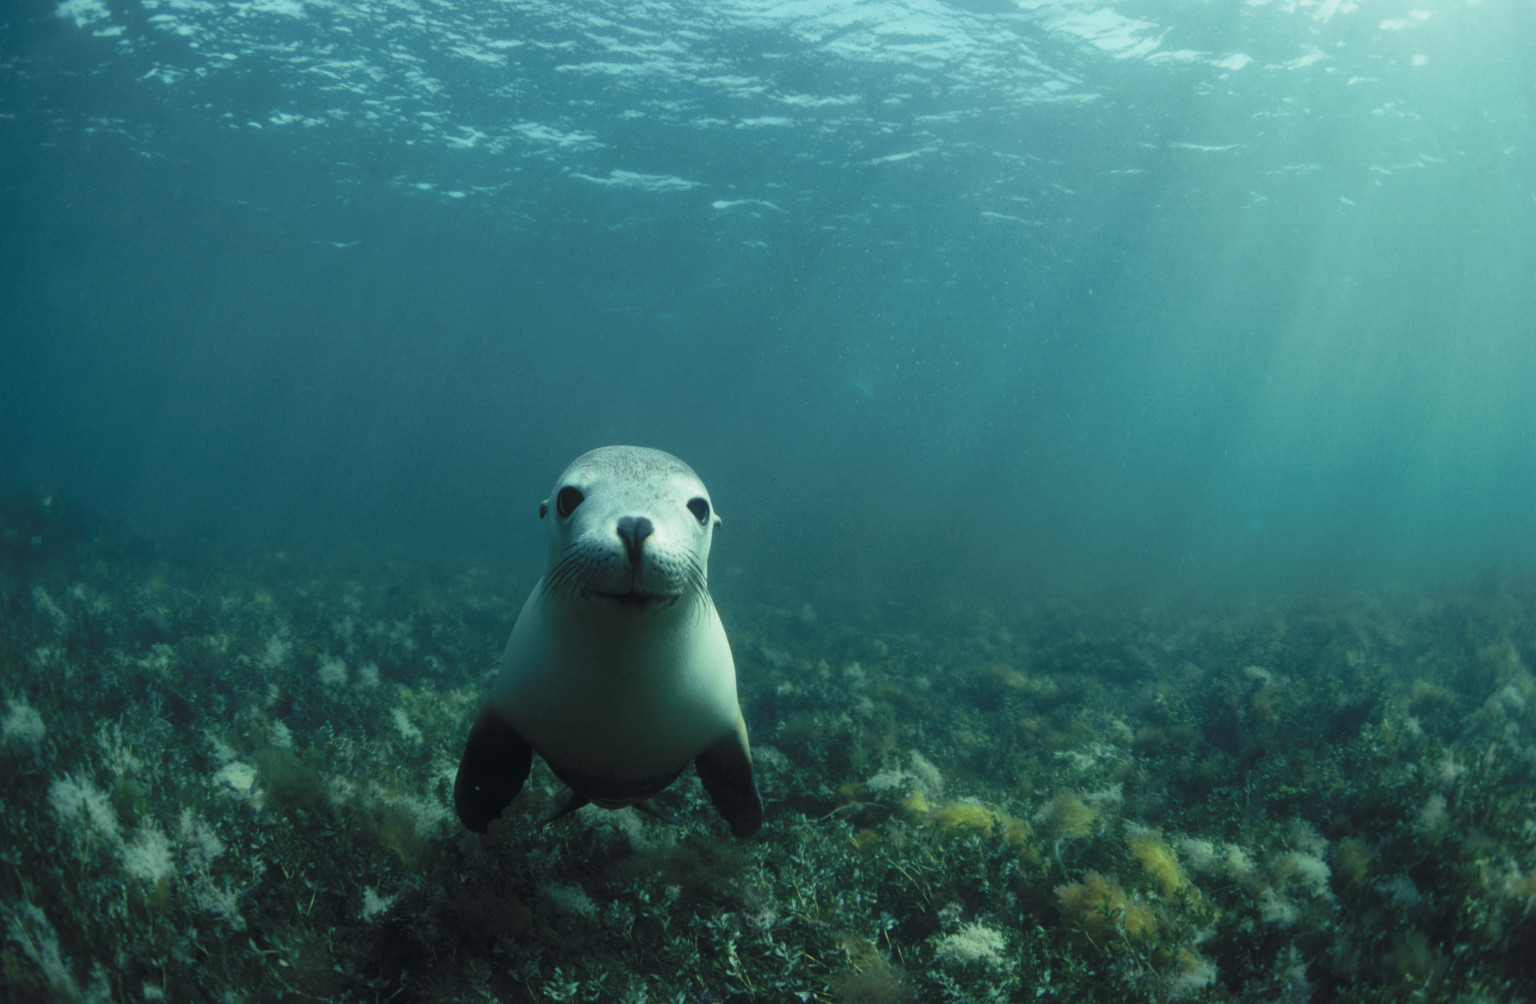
<point x="1159" y="861"/>
<point x="915" y="806"/>
<point x="953" y="815"/>
<point x="1425" y="692"/>
<point x="1102" y="910"/>
<point x="1067" y="815"/>
<point x="1017" y="832"/>
<point x="969" y="815"/>
<point x="865" y="838"/>
<point x="1008" y="677"/>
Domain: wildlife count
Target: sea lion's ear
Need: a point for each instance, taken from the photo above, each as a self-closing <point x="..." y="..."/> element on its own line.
<point x="543" y="509"/>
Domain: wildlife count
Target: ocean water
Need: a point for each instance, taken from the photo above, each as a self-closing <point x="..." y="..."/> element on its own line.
<point x="1123" y="418"/>
<point x="999" y="298"/>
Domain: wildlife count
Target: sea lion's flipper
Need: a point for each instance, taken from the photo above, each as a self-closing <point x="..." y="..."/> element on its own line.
<point x="725" y="767"/>
<point x="495" y="764"/>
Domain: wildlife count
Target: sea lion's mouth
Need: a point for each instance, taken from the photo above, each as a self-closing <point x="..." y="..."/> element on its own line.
<point x="632" y="599"/>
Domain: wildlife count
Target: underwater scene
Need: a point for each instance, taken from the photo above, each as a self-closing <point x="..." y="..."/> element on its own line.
<point x="1093" y="557"/>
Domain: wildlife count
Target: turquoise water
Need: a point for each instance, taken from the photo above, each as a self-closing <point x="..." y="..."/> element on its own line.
<point x="1121" y="415"/>
<point x="1043" y="296"/>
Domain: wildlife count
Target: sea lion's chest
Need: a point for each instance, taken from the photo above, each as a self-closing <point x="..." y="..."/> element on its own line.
<point x="617" y="696"/>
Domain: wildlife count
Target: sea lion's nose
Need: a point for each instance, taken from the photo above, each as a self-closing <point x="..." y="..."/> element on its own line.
<point x="632" y="531"/>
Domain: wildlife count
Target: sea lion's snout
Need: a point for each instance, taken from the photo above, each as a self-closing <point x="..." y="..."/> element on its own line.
<point x="632" y="531"/>
<point x="639" y="577"/>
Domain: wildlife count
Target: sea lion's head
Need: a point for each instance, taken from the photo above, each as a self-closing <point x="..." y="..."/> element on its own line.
<point x="629" y="528"/>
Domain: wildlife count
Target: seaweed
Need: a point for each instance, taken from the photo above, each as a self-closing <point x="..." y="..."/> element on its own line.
<point x="230" y="780"/>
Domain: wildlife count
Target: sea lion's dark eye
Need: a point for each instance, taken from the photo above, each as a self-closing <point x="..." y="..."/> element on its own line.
<point x="567" y="499"/>
<point x="700" y="509"/>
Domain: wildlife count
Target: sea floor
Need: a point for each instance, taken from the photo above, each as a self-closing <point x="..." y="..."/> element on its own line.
<point x="229" y="780"/>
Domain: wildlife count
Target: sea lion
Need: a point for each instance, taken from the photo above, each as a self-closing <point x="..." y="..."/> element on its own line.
<point x="618" y="672"/>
